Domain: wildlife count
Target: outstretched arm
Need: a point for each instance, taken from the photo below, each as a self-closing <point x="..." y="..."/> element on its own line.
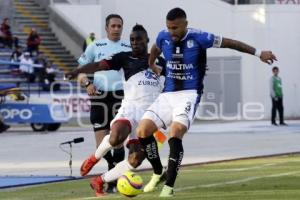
<point x="154" y="53"/>
<point x="89" y="68"/>
<point x="265" y="56"/>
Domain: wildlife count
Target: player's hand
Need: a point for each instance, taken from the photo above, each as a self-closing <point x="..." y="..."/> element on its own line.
<point x="267" y="57"/>
<point x="71" y="75"/>
<point x="91" y="90"/>
<point x="156" y="69"/>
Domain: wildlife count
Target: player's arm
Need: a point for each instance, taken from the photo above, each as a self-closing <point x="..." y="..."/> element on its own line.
<point x="89" y="68"/>
<point x="265" y="56"/>
<point x="154" y="53"/>
<point x="83" y="79"/>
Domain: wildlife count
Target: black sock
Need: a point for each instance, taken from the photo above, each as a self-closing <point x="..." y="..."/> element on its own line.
<point x="119" y="155"/>
<point x="175" y="158"/>
<point x="149" y="146"/>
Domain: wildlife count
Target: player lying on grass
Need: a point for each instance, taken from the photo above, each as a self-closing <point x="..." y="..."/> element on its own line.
<point x="141" y="87"/>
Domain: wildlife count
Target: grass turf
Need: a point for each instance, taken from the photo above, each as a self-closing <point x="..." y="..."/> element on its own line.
<point x="275" y="178"/>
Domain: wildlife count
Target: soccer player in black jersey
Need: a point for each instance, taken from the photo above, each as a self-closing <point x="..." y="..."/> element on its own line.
<point x="141" y="87"/>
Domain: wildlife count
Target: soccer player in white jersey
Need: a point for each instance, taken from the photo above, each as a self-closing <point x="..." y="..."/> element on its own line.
<point x="184" y="50"/>
<point x="106" y="89"/>
<point x="141" y="87"/>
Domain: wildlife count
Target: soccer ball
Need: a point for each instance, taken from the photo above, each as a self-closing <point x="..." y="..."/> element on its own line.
<point x="130" y="184"/>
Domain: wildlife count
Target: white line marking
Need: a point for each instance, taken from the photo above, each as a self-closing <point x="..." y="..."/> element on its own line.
<point x="236" y="181"/>
<point x="243" y="169"/>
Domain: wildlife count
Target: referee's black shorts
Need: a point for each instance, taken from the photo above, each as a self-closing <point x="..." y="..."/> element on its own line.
<point x="104" y="107"/>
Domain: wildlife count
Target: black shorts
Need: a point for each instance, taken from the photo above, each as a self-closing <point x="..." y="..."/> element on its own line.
<point x="104" y="107"/>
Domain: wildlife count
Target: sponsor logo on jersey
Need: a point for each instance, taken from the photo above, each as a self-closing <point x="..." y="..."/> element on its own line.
<point x="101" y="44"/>
<point x="177" y="55"/>
<point x="147" y="82"/>
<point x="180" y="77"/>
<point x="167" y="42"/>
<point x="179" y="66"/>
<point x="190" y="43"/>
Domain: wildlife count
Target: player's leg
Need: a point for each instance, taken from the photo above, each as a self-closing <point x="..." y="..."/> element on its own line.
<point x="118" y="154"/>
<point x="177" y="131"/>
<point x="116" y="100"/>
<point x="120" y="130"/>
<point x="185" y="104"/>
<point x="100" y="120"/>
<point x="156" y="116"/>
<point x="135" y="158"/>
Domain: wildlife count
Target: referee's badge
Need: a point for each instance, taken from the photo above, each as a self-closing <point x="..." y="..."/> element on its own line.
<point x="190" y="43"/>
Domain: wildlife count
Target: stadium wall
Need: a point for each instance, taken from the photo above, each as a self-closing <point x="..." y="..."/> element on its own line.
<point x="279" y="33"/>
<point x="73" y="23"/>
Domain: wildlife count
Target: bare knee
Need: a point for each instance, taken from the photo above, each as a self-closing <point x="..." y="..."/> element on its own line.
<point x="114" y="140"/>
<point x="135" y="159"/>
<point x="177" y="130"/>
<point x="119" y="133"/>
<point x="146" y="128"/>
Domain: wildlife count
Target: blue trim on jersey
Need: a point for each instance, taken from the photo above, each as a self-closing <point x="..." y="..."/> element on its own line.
<point x="185" y="59"/>
<point x="196" y="104"/>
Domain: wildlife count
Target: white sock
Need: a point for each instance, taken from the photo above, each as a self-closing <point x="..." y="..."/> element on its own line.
<point x="117" y="171"/>
<point x="103" y="148"/>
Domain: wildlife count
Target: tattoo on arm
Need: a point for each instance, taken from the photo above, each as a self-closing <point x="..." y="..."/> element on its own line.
<point x="237" y="45"/>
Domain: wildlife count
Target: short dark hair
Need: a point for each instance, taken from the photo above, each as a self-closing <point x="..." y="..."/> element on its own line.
<point x="176" y="13"/>
<point x="275" y="68"/>
<point x="139" y="27"/>
<point x="112" y="16"/>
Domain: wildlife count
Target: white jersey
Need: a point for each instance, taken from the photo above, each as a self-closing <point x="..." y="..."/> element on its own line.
<point x="143" y="85"/>
<point x="139" y="82"/>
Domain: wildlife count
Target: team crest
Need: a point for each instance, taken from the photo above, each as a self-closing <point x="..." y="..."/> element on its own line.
<point x="150" y="75"/>
<point x="190" y="43"/>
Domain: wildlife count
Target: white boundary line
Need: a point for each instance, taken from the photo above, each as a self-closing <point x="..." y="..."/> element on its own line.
<point x="243" y="169"/>
<point x="236" y="181"/>
<point x="240" y="169"/>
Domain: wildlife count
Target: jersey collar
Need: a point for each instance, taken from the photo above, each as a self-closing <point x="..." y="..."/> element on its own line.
<point x="188" y="31"/>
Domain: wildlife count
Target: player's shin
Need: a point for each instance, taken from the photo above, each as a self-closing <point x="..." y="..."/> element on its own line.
<point x="119" y="154"/>
<point x="117" y="171"/>
<point x="175" y="158"/>
<point x="103" y="148"/>
<point x="150" y="149"/>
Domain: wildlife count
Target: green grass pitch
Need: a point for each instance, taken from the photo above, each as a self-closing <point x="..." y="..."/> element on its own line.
<point x="274" y="178"/>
